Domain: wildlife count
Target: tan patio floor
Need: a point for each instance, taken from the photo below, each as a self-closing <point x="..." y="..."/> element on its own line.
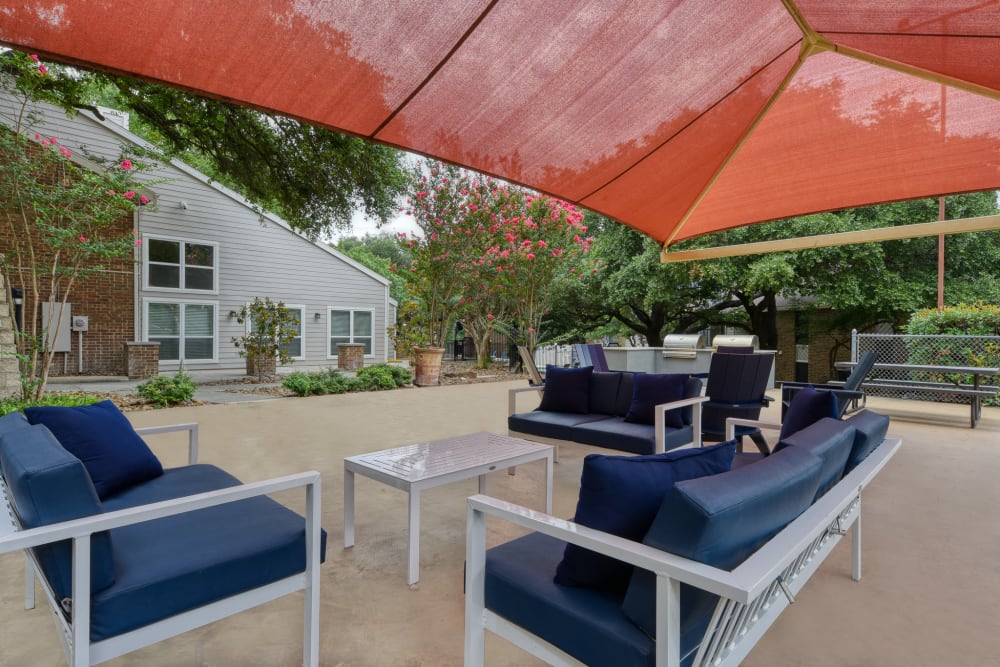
<point x="930" y="593"/>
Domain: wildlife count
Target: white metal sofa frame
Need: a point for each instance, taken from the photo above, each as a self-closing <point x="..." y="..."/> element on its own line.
<point x="75" y="633"/>
<point x="752" y="595"/>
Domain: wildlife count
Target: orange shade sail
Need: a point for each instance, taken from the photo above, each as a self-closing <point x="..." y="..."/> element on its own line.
<point x="675" y="117"/>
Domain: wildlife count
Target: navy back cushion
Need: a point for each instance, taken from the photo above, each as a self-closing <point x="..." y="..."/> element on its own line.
<point x="566" y="389"/>
<point x="650" y="390"/>
<point x="625" y="388"/>
<point x="100" y="436"/>
<point x="621" y="495"/>
<point x="871" y="428"/>
<point x="49" y="485"/>
<point x="807" y="407"/>
<point x="829" y="439"/>
<point x="604" y="391"/>
<point x="722" y="519"/>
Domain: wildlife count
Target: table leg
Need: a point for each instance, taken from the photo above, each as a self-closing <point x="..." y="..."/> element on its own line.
<point x="413" y="550"/>
<point x="482" y="485"/>
<point x="549" y="460"/>
<point x="348" y="508"/>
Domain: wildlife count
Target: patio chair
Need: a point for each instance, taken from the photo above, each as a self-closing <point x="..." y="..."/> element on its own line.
<point x="534" y="376"/>
<point x="582" y="353"/>
<point x="735" y="388"/>
<point x="850" y="397"/>
<point x="597" y="358"/>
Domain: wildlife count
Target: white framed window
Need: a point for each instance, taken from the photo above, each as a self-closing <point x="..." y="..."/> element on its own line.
<point x="296" y="346"/>
<point x="180" y="265"/>
<point x="185" y="330"/>
<point x="351" y="326"/>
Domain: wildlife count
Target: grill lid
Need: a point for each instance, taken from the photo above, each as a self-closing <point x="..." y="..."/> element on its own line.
<point x="742" y="340"/>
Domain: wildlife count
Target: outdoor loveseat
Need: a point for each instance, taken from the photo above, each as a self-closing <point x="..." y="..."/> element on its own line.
<point x="128" y="553"/>
<point x="699" y="548"/>
<point x="642" y="413"/>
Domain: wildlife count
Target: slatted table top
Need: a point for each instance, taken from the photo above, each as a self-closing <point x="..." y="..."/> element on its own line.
<point x="427" y="460"/>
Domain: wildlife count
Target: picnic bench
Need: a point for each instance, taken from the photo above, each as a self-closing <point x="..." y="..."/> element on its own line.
<point x="910" y="381"/>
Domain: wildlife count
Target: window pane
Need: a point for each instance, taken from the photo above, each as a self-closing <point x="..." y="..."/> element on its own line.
<point x="293" y="348"/>
<point x="362" y="323"/>
<point x="340" y="324"/>
<point x="198" y="320"/>
<point x="195" y="278"/>
<point x="367" y="343"/>
<point x="333" y="343"/>
<point x="164" y="276"/>
<point x="164" y="320"/>
<point x="164" y="251"/>
<point x="198" y="348"/>
<point x="297" y="316"/>
<point x="169" y="348"/>
<point x="199" y="255"/>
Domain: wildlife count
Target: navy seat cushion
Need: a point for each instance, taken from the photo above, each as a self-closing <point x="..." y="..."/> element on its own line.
<point x="722" y="519"/>
<point x="652" y="389"/>
<point x="177" y="563"/>
<point x="566" y="389"/>
<point x="49" y="485"/>
<point x="621" y="495"/>
<point x="100" y="436"/>
<point x="586" y="623"/>
<point x="556" y="425"/>
<point x="870" y="429"/>
<point x="807" y="407"/>
<point x="604" y="391"/>
<point x="829" y="439"/>
<point x="616" y="433"/>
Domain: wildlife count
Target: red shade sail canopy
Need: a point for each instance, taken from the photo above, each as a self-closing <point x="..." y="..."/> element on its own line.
<point x="676" y="117"/>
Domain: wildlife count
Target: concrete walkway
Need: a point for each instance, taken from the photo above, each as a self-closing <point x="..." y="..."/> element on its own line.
<point x="930" y="593"/>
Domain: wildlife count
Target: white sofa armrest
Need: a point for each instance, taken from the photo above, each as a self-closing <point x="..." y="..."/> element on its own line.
<point x="659" y="417"/>
<point x="191" y="428"/>
<point x="512" y="397"/>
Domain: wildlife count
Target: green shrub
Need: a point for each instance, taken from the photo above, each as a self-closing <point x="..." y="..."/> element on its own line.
<point x="329" y="381"/>
<point x="163" y="391"/>
<point x="374" y="378"/>
<point x="964" y="319"/>
<point x="61" y="400"/>
<point x="402" y="376"/>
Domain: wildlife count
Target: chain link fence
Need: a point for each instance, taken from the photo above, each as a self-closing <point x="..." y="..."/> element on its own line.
<point x="928" y="350"/>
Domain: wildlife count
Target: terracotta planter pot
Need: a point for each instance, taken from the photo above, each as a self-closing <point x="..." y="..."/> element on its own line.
<point x="427" y="366"/>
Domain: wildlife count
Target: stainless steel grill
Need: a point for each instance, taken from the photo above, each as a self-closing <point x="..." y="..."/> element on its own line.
<point x="682" y="346"/>
<point x="742" y="340"/>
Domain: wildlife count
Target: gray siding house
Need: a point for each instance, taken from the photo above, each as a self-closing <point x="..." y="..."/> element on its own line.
<point x="206" y="251"/>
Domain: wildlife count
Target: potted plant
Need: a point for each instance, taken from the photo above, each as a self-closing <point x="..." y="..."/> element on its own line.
<point x="270" y="327"/>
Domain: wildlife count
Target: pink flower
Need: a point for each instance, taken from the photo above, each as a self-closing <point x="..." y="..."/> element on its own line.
<point x="489" y="316"/>
<point x="38" y="137"/>
<point x="43" y="70"/>
<point x="112" y="192"/>
<point x="531" y="329"/>
<point x="52" y="140"/>
<point x="143" y="200"/>
<point x="126" y="164"/>
<point x="34" y="57"/>
<point x="128" y="195"/>
<point x="65" y="152"/>
<point x="531" y="255"/>
<point x="83" y="239"/>
<point x="138" y="241"/>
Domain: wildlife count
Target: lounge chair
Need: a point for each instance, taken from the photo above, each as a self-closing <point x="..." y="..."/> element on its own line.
<point x="850" y="397"/>
<point x="735" y="388"/>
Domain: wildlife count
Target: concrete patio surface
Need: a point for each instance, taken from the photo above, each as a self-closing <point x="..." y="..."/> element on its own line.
<point x="930" y="594"/>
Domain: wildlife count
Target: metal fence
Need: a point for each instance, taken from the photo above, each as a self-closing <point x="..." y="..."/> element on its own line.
<point x="927" y="350"/>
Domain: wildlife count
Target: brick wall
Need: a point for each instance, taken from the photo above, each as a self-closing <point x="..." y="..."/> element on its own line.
<point x="108" y="299"/>
<point x="784" y="361"/>
<point x="822" y="340"/>
<point x="9" y="380"/>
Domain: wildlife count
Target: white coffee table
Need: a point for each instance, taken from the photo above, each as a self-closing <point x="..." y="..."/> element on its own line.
<point x="425" y="465"/>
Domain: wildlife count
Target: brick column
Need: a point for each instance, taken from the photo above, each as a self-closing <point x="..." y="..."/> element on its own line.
<point x="142" y="360"/>
<point x="350" y="356"/>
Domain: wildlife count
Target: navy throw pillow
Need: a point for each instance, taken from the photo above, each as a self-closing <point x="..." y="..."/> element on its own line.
<point x="100" y="436"/>
<point x="621" y="495"/>
<point x="604" y="391"/>
<point x="566" y="389"/>
<point x="807" y="407"/>
<point x="650" y="390"/>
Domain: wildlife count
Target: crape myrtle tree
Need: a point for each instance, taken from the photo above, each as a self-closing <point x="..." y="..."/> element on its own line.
<point x="487" y="253"/>
<point x="60" y="222"/>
